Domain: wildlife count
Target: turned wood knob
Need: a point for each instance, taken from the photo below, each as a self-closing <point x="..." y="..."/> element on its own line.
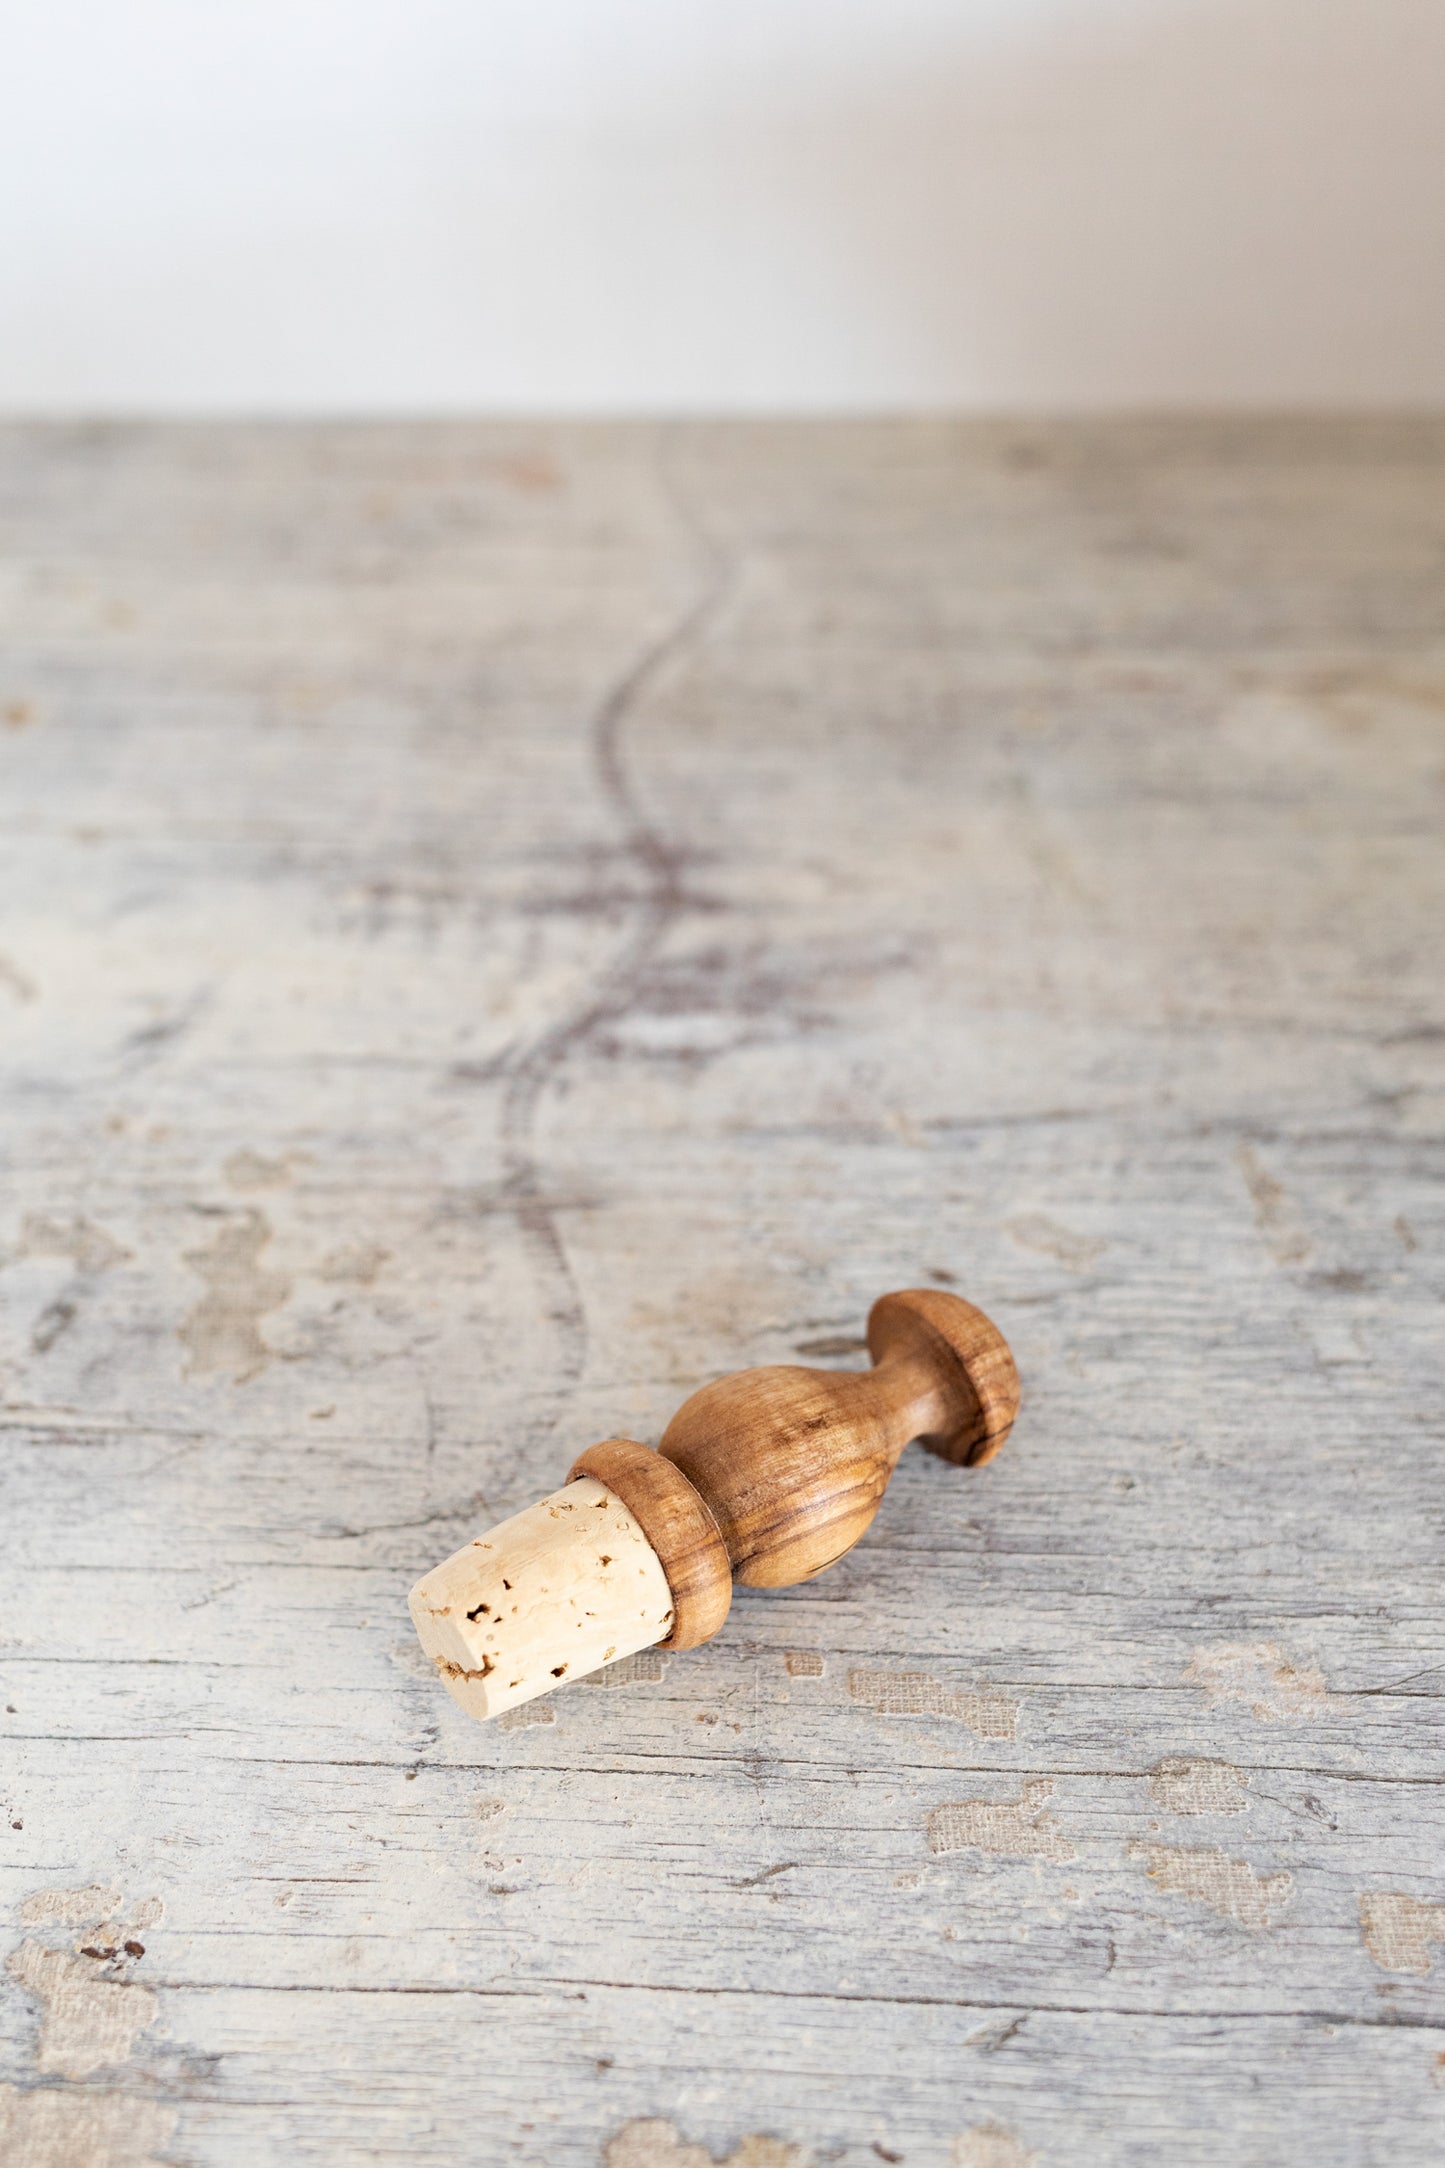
<point x="765" y="1477"/>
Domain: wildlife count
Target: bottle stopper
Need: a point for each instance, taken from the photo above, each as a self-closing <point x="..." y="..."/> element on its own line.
<point x="765" y="1477"/>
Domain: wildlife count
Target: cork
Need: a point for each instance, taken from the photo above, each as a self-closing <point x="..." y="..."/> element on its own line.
<point x="557" y="1591"/>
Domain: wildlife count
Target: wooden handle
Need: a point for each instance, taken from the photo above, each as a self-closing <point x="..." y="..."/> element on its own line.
<point x="765" y="1477"/>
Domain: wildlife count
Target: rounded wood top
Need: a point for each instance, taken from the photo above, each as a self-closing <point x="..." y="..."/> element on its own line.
<point x="793" y="1462"/>
<point x="971" y="1358"/>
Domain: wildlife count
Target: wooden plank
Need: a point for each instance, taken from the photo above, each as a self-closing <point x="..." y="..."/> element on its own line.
<point x="503" y="924"/>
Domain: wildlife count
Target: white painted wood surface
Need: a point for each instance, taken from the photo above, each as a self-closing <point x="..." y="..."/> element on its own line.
<point x="501" y="925"/>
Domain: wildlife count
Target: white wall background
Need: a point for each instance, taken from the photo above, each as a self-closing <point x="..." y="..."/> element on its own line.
<point x="430" y="205"/>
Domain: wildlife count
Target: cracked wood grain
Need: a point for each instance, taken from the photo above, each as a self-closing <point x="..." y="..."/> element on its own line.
<point x="504" y="925"/>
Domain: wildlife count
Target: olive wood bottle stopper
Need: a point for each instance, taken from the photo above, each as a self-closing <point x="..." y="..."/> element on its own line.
<point x="765" y="1477"/>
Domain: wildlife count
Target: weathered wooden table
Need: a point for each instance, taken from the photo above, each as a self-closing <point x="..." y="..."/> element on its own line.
<point x="501" y="924"/>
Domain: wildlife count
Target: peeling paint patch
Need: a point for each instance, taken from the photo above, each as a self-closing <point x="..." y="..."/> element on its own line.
<point x="71" y="1907"/>
<point x="54" y="2127"/>
<point x="650" y="2143"/>
<point x="223" y="1331"/>
<point x="914" y="1693"/>
<point x="1015" y="1829"/>
<point x="1398" y="1929"/>
<point x="91" y="2016"/>
<point x="1035" y="1231"/>
<point x="88" y="1247"/>
<point x="1259" y="1674"/>
<point x="1208" y="1877"/>
<point x="526" y="1714"/>
<point x="1275" y="1214"/>
<point x="1182" y="1786"/>
<point x="990" y="2145"/>
<point x="805" y="1664"/>
<point x="487" y="1810"/>
<point x="87" y="2020"/>
<point x="644" y="1669"/>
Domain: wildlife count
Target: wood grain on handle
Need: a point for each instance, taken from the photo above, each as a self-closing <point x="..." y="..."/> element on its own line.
<point x="765" y="1477"/>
